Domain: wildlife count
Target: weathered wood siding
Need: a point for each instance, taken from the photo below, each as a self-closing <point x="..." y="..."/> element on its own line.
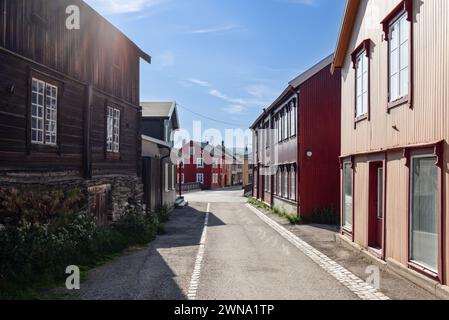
<point x="97" y="53"/>
<point x="34" y="41"/>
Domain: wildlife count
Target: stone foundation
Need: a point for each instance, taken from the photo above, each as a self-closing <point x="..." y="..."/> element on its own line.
<point x="121" y="189"/>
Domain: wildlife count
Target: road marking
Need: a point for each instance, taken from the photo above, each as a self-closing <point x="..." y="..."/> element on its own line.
<point x="195" y="280"/>
<point x="359" y="287"/>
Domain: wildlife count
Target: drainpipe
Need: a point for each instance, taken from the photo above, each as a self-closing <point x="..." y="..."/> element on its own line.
<point x="162" y="171"/>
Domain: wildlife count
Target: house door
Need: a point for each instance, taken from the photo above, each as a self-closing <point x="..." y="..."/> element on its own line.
<point x="376" y="205"/>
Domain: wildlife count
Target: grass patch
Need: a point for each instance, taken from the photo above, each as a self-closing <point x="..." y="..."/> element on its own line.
<point x="293" y="219"/>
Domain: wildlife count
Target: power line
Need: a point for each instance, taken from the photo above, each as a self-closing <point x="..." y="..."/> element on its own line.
<point x="211" y="119"/>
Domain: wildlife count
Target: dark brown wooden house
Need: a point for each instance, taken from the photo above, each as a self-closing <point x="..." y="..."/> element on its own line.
<point x="69" y="103"/>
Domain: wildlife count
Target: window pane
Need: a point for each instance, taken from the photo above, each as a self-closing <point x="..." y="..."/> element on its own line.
<point x="404" y="56"/>
<point x="394" y="87"/>
<point x="405" y="29"/>
<point x="365" y="103"/>
<point x="424" y="211"/>
<point x="394" y="36"/>
<point x="394" y="61"/>
<point x="404" y="83"/>
<point x="347" y="196"/>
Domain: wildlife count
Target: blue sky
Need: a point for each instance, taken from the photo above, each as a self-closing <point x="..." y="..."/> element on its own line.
<point x="224" y="59"/>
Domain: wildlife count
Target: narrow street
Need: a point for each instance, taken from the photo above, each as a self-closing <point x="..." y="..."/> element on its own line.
<point x="244" y="258"/>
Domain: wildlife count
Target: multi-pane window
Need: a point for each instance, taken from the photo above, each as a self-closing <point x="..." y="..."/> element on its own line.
<point x="362" y="83"/>
<point x="347" y="195"/>
<point x="215" y="178"/>
<point x="285" y="182"/>
<point x="199" y="163"/>
<point x="113" y="132"/>
<point x="200" y="178"/>
<point x="285" y="125"/>
<point x="424" y="212"/>
<point x="293" y="183"/>
<point x="44" y="112"/>
<point x="293" y="119"/>
<point x="399" y="57"/>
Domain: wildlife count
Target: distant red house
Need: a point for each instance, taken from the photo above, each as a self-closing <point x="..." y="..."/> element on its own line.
<point x="203" y="164"/>
<point x="297" y="145"/>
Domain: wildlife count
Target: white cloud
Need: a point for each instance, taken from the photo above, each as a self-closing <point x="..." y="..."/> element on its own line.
<point x="222" y="96"/>
<point x="219" y="29"/>
<point x="120" y="6"/>
<point x="200" y="83"/>
<point x="235" y="109"/>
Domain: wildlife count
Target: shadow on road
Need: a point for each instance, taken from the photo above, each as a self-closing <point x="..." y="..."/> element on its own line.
<point x="159" y="272"/>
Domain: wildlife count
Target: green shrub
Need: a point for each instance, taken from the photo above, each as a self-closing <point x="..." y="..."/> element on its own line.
<point x="261" y="205"/>
<point x="163" y="213"/>
<point x="35" y="254"/>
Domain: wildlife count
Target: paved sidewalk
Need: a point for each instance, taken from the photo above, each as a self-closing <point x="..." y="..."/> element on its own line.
<point x="322" y="238"/>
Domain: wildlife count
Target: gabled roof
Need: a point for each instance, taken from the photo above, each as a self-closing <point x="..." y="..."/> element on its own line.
<point x="299" y="80"/>
<point x="141" y="53"/>
<point x="164" y="110"/>
<point x="294" y="85"/>
<point x="347" y="26"/>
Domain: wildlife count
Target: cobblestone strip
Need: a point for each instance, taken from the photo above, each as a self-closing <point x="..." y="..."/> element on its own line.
<point x="359" y="287"/>
<point x="195" y="280"/>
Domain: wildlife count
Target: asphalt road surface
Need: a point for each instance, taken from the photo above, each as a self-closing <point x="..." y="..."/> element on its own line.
<point x="243" y="259"/>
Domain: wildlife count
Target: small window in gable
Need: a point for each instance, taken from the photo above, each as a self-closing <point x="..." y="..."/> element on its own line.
<point x="361" y="64"/>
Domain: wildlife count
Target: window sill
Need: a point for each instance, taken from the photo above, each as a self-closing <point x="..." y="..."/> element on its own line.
<point x="361" y="118"/>
<point x="415" y="266"/>
<point x="346" y="232"/>
<point x="398" y="102"/>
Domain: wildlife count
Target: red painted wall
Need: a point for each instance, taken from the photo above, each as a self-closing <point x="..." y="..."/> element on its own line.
<point x="190" y="169"/>
<point x="320" y="129"/>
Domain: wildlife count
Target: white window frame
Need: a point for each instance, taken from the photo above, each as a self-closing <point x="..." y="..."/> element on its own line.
<point x="44" y="113"/>
<point x="293" y="119"/>
<point x="200" y="178"/>
<point x="199" y="163"/>
<point x="293" y="183"/>
<point x="412" y="160"/>
<point x="361" y="84"/>
<point x="345" y="223"/>
<point x="113" y="118"/>
<point x="403" y="45"/>
<point x="215" y="178"/>
<point x="285" y="175"/>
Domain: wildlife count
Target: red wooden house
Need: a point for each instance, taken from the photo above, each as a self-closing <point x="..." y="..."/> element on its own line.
<point x="202" y="164"/>
<point x="297" y="143"/>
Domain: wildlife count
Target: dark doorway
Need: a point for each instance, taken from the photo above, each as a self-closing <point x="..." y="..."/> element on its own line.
<point x="376" y="205"/>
